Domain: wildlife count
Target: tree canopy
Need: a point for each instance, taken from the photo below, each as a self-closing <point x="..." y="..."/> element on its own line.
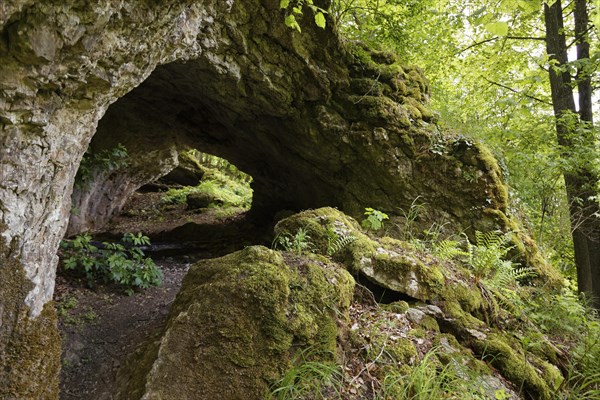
<point x="490" y="68"/>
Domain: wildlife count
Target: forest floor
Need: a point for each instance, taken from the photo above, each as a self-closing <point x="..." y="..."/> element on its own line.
<point x="100" y="326"/>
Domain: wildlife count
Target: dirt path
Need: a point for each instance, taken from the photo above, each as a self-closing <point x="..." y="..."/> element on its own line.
<point x="100" y="327"/>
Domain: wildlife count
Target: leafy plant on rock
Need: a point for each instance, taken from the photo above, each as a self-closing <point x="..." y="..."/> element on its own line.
<point x="106" y="160"/>
<point x="122" y="263"/>
<point x="337" y="241"/>
<point x="374" y="220"/>
<point x="298" y="243"/>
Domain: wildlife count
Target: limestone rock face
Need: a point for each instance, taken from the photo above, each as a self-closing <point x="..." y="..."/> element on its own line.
<point x="188" y="172"/>
<point x="314" y="124"/>
<point x="233" y="324"/>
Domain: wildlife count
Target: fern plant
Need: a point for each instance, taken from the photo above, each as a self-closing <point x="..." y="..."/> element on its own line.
<point x="336" y="242"/>
<point x="497" y="277"/>
<point x="487" y="255"/>
<point x="449" y="249"/>
<point x="298" y="243"/>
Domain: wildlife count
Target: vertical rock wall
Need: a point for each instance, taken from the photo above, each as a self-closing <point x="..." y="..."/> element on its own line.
<point x="61" y="65"/>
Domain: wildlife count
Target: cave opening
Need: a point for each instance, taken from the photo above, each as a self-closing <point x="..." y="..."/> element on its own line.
<point x="165" y="162"/>
<point x="380" y="294"/>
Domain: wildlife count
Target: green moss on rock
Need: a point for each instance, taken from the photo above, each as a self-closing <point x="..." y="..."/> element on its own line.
<point x="239" y="318"/>
<point x="29" y="347"/>
<point x="508" y="357"/>
<point x="381" y="74"/>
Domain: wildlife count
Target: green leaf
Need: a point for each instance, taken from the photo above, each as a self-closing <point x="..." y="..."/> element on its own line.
<point x="497" y="28"/>
<point x="284" y="3"/>
<point x="320" y="20"/>
<point x="290" y="21"/>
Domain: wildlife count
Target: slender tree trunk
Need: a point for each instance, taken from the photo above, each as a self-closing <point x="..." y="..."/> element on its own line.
<point x="571" y="132"/>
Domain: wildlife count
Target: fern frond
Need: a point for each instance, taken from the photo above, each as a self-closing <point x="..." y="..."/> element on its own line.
<point x="449" y="249"/>
<point x="490" y="239"/>
<point x="340" y="242"/>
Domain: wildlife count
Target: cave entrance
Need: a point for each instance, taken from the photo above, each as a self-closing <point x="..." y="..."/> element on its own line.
<point x="252" y="121"/>
<point x="197" y="210"/>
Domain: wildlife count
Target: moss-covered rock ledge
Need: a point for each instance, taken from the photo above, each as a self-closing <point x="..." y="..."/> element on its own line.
<point x="448" y="293"/>
<point x="241" y="321"/>
<point x="237" y="322"/>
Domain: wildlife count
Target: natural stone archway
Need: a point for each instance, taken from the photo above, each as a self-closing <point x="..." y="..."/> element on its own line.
<point x="350" y="138"/>
<point x="313" y="123"/>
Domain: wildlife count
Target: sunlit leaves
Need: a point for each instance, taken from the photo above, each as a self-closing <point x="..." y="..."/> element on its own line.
<point x="320" y="19"/>
<point x="295" y="10"/>
<point x="290" y="21"/>
<point x="497" y="28"/>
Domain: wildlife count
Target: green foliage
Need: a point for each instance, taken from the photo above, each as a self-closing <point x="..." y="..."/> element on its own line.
<point x="122" y="263"/>
<point x="571" y="321"/>
<point x="487" y="67"/>
<point x="374" y="220"/>
<point x="497" y="277"/>
<point x="107" y="160"/>
<point x="449" y="249"/>
<point x="294" y="9"/>
<point x="308" y="379"/>
<point x="299" y="243"/>
<point x="337" y="242"/>
<point x="410" y="217"/>
<point x="228" y="191"/>
<point x="486" y="256"/>
<point x="430" y="379"/>
<point x="66" y="310"/>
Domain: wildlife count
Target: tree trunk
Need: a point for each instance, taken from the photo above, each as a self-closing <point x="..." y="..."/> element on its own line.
<point x="580" y="178"/>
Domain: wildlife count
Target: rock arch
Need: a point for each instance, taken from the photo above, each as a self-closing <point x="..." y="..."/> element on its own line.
<point x="315" y="123"/>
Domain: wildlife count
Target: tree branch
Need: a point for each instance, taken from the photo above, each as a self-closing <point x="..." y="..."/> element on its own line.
<point x="498" y="38"/>
<point x="518" y="92"/>
<point x="581" y="35"/>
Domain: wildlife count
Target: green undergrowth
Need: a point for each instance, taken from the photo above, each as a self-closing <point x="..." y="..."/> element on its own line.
<point x="222" y="189"/>
<point x="308" y="379"/>
<point x="539" y="336"/>
<point x="122" y="263"/>
<point x="103" y="161"/>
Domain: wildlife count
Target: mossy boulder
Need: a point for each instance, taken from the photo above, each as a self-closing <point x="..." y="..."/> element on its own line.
<point x="391" y="264"/>
<point x="459" y="303"/>
<point x="197" y="200"/>
<point x="237" y="322"/>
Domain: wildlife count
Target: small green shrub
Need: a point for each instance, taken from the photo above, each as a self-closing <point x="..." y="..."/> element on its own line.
<point x="122" y="263"/>
<point x="105" y="160"/>
<point x="374" y="220"/>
